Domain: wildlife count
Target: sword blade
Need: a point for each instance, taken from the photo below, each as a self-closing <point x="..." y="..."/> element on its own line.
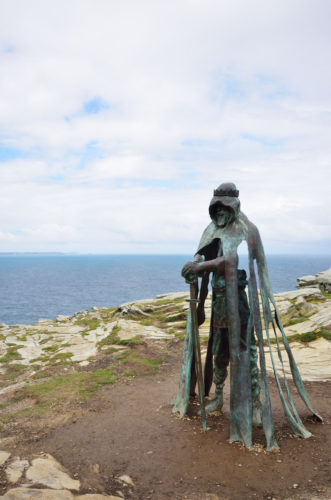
<point x="196" y="344"/>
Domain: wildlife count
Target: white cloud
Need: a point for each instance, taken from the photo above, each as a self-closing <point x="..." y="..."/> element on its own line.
<point x="197" y="94"/>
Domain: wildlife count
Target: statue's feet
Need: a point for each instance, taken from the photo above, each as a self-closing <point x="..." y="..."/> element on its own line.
<point x="256" y="417"/>
<point x="214" y="405"/>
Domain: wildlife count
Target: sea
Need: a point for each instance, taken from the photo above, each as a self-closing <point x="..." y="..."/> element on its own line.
<point x="35" y="286"/>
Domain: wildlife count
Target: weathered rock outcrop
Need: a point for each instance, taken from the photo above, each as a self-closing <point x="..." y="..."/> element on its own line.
<point x="321" y="280"/>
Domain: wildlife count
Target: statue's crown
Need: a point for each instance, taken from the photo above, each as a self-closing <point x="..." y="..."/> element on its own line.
<point x="227" y="189"/>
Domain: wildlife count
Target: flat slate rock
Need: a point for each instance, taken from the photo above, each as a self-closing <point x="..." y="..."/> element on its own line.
<point x="48" y="471"/>
<point x="36" y="494"/>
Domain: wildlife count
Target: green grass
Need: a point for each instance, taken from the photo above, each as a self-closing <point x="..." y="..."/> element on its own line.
<point x="181" y="326"/>
<point x="52" y="348"/>
<point x="326" y="295"/>
<point x="147" y="322"/>
<point x="295" y="321"/>
<point x="43" y="359"/>
<point x="112" y="338"/>
<point x="107" y="312"/>
<point x="11" y="354"/>
<point x="180" y="335"/>
<point x="323" y="333"/>
<point x="77" y="385"/>
<point x="13" y="371"/>
<point x="23" y="338"/>
<point x="91" y="323"/>
<point x="179" y="316"/>
<point x="168" y="302"/>
<point x="130" y="342"/>
<point x="47" y="339"/>
<point x="61" y="356"/>
<point x="303" y="337"/>
<point x="151" y="365"/>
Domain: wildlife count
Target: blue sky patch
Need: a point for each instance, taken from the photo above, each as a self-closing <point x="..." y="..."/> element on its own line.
<point x="9" y="153"/>
<point x="264" y="141"/>
<point x="95" y="105"/>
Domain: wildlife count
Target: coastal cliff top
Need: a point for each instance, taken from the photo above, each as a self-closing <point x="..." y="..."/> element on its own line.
<point x="112" y="370"/>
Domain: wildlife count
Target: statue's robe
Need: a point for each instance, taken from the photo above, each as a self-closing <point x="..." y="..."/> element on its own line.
<point x="229" y="239"/>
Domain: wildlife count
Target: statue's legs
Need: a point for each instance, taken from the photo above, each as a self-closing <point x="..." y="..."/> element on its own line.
<point x="221" y="357"/>
<point x="257" y="420"/>
<point x="221" y="361"/>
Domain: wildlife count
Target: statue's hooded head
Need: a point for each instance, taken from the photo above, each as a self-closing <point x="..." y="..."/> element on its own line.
<point x="224" y="207"/>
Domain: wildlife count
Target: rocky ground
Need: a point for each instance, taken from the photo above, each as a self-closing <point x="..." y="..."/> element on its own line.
<point x="92" y="393"/>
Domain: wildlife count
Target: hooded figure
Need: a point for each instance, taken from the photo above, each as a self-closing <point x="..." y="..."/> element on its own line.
<point x="236" y="326"/>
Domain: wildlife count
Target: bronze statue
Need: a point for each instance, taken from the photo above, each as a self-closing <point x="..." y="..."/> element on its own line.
<point x="236" y="326"/>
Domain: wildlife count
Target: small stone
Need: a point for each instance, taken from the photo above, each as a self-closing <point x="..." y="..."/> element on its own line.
<point x="126" y="479"/>
<point x="4" y="455"/>
<point x="295" y="485"/>
<point x="15" y="470"/>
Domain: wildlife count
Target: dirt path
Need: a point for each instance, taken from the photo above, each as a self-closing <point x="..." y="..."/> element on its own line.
<point x="130" y="429"/>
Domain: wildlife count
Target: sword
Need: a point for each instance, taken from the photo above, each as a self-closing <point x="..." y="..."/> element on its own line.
<point x="196" y="346"/>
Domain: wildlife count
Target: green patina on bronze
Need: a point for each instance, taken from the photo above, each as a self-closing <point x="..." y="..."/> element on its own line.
<point x="236" y="327"/>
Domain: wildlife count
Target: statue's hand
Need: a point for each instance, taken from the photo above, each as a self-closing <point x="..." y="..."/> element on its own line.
<point x="190" y="271"/>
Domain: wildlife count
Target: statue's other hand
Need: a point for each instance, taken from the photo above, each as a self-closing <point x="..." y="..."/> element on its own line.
<point x="190" y="271"/>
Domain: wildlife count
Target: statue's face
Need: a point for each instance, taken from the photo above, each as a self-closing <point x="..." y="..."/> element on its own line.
<point x="223" y="215"/>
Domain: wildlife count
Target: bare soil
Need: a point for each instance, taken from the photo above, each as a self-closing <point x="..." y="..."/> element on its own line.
<point x="129" y="428"/>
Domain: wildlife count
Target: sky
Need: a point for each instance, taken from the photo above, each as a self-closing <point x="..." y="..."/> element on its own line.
<point x="118" y="119"/>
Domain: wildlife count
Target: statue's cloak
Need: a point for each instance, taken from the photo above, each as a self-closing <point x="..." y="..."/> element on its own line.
<point x="224" y="242"/>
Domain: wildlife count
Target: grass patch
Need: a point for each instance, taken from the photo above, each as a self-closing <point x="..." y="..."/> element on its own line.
<point x="47" y="339"/>
<point x="180" y="316"/>
<point x="326" y="295"/>
<point x="40" y="358"/>
<point x="182" y="325"/>
<point x="109" y="350"/>
<point x="13" y="371"/>
<point x="137" y="340"/>
<point x="295" y="321"/>
<point x="112" y="338"/>
<point x="107" y="312"/>
<point x="51" y="348"/>
<point x="91" y="323"/>
<point x="11" y="354"/>
<point x="61" y="356"/>
<point x="22" y="338"/>
<point x="79" y="385"/>
<point x="323" y="333"/>
<point x="180" y="335"/>
<point x="314" y="301"/>
<point x="167" y="302"/>
<point x="303" y="337"/>
<point x="146" y="322"/>
<point x="130" y="373"/>
<point x="150" y="365"/>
